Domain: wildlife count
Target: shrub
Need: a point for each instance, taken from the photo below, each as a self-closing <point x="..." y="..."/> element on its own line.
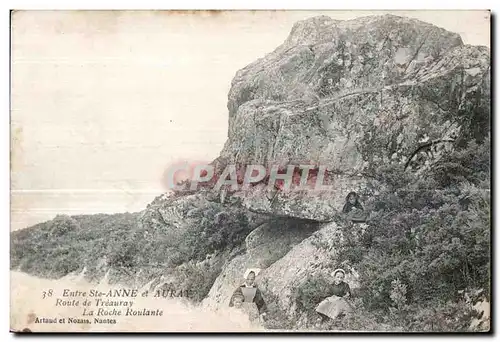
<point x="310" y="293"/>
<point x="427" y="239"/>
<point x="67" y="244"/>
<point x="197" y="277"/>
<point x="276" y="317"/>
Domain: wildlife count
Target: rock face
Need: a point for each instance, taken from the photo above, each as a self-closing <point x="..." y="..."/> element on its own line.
<point x="312" y="257"/>
<point x="347" y="95"/>
<point x="176" y="213"/>
<point x="227" y="281"/>
<point x="301" y="259"/>
<point x="265" y="245"/>
<point x="318" y="205"/>
<point x="272" y="240"/>
<point x="354" y="95"/>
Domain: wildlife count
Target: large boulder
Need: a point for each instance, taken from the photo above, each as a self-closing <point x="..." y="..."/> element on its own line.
<point x="265" y="245"/>
<point x="351" y="96"/>
<point x="318" y="205"/>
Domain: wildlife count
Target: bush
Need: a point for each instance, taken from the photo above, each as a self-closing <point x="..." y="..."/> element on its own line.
<point x="427" y="239"/>
<point x="276" y="317"/>
<point x="67" y="244"/>
<point x="197" y="278"/>
<point x="310" y="293"/>
<point x="211" y="231"/>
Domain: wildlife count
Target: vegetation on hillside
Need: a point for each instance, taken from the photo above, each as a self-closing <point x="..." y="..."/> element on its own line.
<point x="424" y="257"/>
<point x="66" y="244"/>
<point x="120" y="244"/>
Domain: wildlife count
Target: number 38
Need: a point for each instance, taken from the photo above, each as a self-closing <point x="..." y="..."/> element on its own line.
<point x="47" y="293"/>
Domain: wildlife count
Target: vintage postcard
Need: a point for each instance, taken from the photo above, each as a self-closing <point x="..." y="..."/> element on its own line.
<point x="250" y="171"/>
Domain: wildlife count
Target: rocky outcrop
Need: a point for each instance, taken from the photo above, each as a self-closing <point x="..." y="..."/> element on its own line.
<point x="352" y="96"/>
<point x="228" y="280"/>
<point x="272" y="240"/>
<point x="172" y="212"/>
<point x="318" y="205"/>
<point x="314" y="256"/>
<point x="265" y="245"/>
<point x="176" y="212"/>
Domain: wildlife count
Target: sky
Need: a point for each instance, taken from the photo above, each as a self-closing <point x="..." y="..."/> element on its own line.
<point x="102" y="102"/>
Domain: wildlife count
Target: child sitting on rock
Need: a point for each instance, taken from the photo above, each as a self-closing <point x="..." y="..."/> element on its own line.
<point x="353" y="209"/>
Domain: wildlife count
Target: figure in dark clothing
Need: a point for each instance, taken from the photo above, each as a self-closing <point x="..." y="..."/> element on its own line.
<point x="336" y="304"/>
<point x="352" y="202"/>
<point x="250" y="293"/>
<point x="353" y="209"/>
<point x="340" y="288"/>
